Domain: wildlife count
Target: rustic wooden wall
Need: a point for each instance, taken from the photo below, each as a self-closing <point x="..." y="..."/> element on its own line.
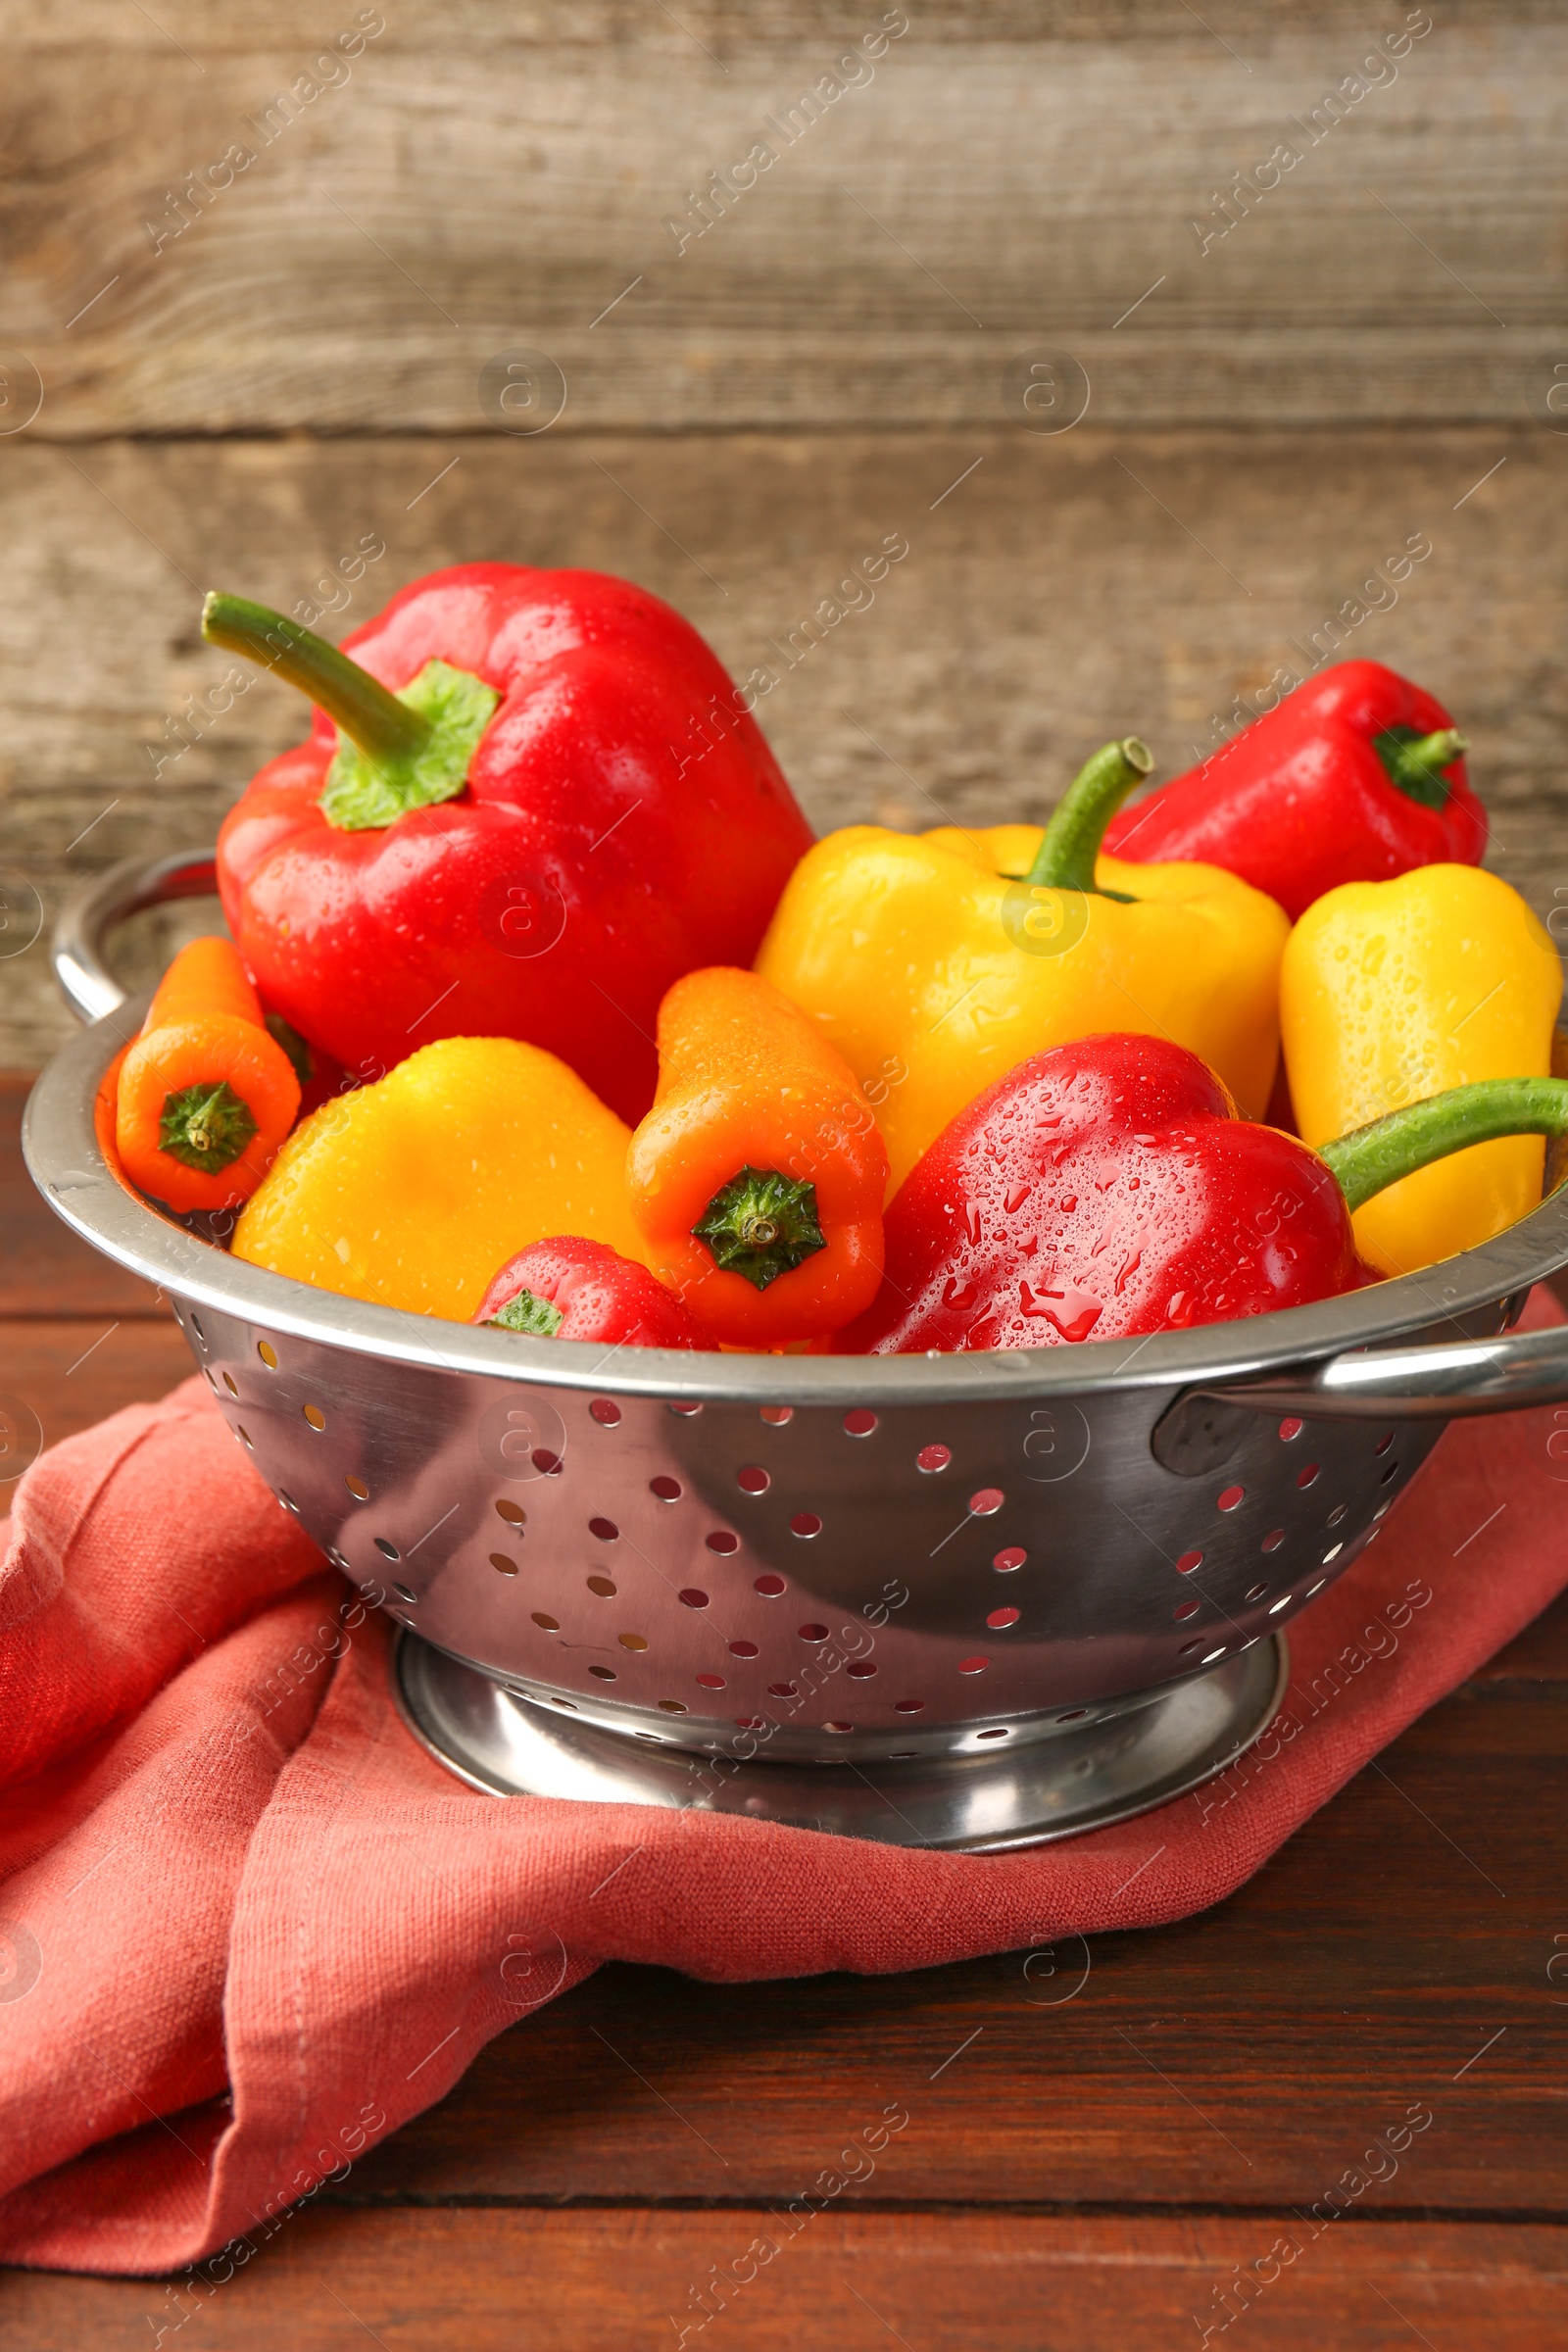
<point x="843" y="353"/>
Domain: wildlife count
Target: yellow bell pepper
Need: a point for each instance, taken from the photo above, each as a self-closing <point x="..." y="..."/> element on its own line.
<point x="938" y="962"/>
<point x="412" y="1192"/>
<point x="1392" y="992"/>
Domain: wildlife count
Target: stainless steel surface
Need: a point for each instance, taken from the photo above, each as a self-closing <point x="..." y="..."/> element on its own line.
<point x="856" y="1560"/>
<point x="90" y="914"/>
<point x="1024" y="1794"/>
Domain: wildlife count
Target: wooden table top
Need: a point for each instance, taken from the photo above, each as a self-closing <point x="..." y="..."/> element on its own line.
<point x="268" y="314"/>
<point x="1087" y="2157"/>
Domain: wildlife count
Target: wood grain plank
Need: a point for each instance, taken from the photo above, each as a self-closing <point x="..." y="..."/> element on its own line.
<point x="1239" y="2057"/>
<point x="102" y="26"/>
<point x="608" y="2282"/>
<point x="1054" y="594"/>
<point x="915" y="238"/>
<point x="59" y="1377"/>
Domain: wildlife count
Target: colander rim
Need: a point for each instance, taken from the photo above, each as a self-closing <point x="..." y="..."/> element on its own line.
<point x="65" y="1162"/>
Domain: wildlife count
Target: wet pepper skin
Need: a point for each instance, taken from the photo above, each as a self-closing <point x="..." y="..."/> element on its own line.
<point x="1301" y="801"/>
<point x="579" y="1290"/>
<point x="1104" y="1190"/>
<point x="622" y="822"/>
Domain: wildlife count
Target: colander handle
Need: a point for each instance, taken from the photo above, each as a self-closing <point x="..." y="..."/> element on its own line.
<point x="1447" y="1383"/>
<point x="77" y="950"/>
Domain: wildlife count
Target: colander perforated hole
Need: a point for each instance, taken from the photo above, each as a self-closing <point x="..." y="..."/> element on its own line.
<point x="711" y="1681"/>
<point x="987" y="1501"/>
<point x="1335" y="1515"/>
<point x="548" y="1464"/>
<point x="722" y="1542"/>
<point x="1290" y="1428"/>
<point x="314" y="1415"/>
<point x="1188" y="1608"/>
<point x="356" y="1487"/>
<point x="806" y="1524"/>
<point x="686" y="1412"/>
<point x="502" y="1565"/>
<point x="859" y="1423"/>
<point x="973" y="1665"/>
<point x="605" y="1529"/>
<point x="781" y="1691"/>
<point x="840" y="1728"/>
<point x="1384" y="1443"/>
<point x="749" y="1723"/>
<point x="1212" y="1655"/>
<point x="770" y="1586"/>
<point x="813" y="1632"/>
<point x="1073" y="1715"/>
<point x="404" y="1595"/>
<point x="1317" y="1588"/>
<point x="1389" y="1474"/>
<point x="775" y="1415"/>
<point x="1274" y="1539"/>
<point x="229" y="1382"/>
<point x="933" y="1457"/>
<point x="997" y="1734"/>
<point x="632" y="1640"/>
<point x="999" y="1619"/>
<point x="668" y="1490"/>
<point x="753" y="1480"/>
<point x="1255" y="1591"/>
<point x="673" y="1706"/>
<point x="570" y="1705"/>
<point x="388" y="1551"/>
<point x="603" y="1586"/>
<point x="1307" y="1473"/>
<point x="743" y="1650"/>
<point x="196" y="1326"/>
<point x="337" y="1559"/>
<point x="1331" y="1553"/>
<point x="244" y="1436"/>
<point x="861" y="1668"/>
<point x="1381" y="1512"/>
<point x="603" y="1674"/>
<point x="1189" y="1563"/>
<point x="693" y="1598"/>
<point x="512" y="1512"/>
<point x="1186" y="1650"/>
<point x="604" y="1411"/>
<point x="268" y="1354"/>
<point x="207" y="1375"/>
<point x="908" y="1706"/>
<point x="904" y="1755"/>
<point x="547" y="1625"/>
<point x="1232" y="1498"/>
<point x="1006" y="1561"/>
<point x="1283" y="1602"/>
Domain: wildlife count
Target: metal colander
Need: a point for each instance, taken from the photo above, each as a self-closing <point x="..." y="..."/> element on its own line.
<point x="964" y="1601"/>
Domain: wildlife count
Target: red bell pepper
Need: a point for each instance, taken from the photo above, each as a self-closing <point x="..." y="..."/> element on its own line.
<point x="1107" y="1189"/>
<point x="1355" y="778"/>
<point x="570" y="1288"/>
<point x="528" y="803"/>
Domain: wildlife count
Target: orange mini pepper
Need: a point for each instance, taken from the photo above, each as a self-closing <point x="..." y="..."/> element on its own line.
<point x="756" y="1179"/>
<point x="205" y="1095"/>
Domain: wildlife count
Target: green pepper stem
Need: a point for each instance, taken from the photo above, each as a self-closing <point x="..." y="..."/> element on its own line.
<point x="1415" y="764"/>
<point x="1371" y="1158"/>
<point x="368" y="713"/>
<point x="1066" y="858"/>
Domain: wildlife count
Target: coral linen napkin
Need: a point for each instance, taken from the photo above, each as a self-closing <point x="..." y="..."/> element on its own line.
<point x="248" y="1926"/>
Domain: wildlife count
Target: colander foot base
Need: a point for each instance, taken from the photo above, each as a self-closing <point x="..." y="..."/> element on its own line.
<point x="1045" y="1788"/>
